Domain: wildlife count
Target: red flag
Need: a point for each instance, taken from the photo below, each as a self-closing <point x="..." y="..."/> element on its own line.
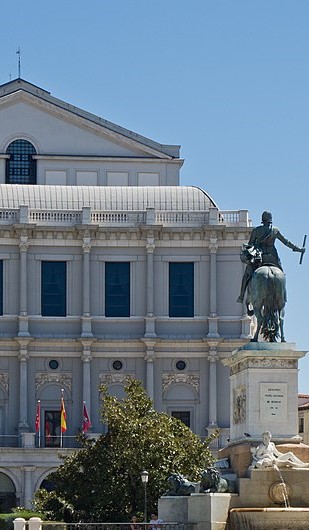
<point x="86" y="419"/>
<point x="63" y="417"/>
<point x="38" y="417"/>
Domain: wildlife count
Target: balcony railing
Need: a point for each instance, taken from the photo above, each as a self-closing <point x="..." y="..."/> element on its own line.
<point x="151" y="216"/>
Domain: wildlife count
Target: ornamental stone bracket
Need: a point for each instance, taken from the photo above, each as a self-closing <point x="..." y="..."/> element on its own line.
<point x="172" y="378"/>
<point x="41" y="379"/>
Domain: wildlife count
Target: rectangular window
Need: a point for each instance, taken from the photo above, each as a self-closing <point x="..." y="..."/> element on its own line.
<point x="1" y="287"/>
<point x="117" y="289"/>
<point x="181" y="289"/>
<point x="301" y="425"/>
<point x="52" y="428"/>
<point x="53" y="288"/>
<point x="182" y="415"/>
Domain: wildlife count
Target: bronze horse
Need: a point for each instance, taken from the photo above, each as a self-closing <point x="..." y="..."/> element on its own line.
<point x="267" y="296"/>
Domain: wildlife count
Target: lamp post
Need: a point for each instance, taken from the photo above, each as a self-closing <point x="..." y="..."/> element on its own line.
<point x="144" y="477"/>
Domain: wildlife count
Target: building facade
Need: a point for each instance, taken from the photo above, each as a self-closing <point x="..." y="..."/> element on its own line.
<point x="303" y="417"/>
<point x="109" y="270"/>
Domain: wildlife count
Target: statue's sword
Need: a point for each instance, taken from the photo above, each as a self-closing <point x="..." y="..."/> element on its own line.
<point x="303" y="252"/>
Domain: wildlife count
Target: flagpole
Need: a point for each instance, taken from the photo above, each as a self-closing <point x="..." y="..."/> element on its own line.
<point x="83" y="417"/>
<point x="63" y="419"/>
<point x="86" y="419"/>
<point x="39" y="408"/>
<point x="38" y="421"/>
<point x="61" y="434"/>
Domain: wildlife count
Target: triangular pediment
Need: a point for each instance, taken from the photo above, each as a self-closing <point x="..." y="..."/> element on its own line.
<point x="25" y="106"/>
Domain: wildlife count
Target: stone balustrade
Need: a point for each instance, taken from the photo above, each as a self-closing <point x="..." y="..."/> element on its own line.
<point x="125" y="218"/>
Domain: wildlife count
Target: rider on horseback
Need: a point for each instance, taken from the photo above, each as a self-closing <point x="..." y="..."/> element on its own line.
<point x="261" y="250"/>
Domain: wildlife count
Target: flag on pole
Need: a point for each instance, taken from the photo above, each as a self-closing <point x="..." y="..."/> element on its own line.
<point x="38" y="417"/>
<point x="63" y="417"/>
<point x="86" y="419"/>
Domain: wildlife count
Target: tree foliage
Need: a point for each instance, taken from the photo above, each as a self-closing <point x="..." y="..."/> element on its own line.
<point x="102" y="482"/>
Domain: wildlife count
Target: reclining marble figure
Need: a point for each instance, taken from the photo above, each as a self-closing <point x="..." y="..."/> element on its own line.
<point x="267" y="455"/>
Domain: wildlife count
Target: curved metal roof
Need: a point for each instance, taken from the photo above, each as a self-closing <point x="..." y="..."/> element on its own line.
<point x="182" y="198"/>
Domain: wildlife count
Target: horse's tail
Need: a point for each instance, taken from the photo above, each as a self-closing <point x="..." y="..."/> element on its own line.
<point x="270" y="323"/>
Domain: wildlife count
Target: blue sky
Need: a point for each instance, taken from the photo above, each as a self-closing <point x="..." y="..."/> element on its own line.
<point x="226" y="79"/>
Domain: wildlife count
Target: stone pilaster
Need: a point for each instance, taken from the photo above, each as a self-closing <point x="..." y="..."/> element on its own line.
<point x="23" y="357"/>
<point x="213" y="317"/>
<point x="150" y="358"/>
<point x="86" y="360"/>
<point x="150" y="319"/>
<point x="86" y="318"/>
<point x="23" y="300"/>
<point x="28" y="486"/>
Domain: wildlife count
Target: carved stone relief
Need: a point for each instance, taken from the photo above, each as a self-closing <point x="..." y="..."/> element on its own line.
<point x="239" y="404"/>
<point x="110" y="378"/>
<point x="171" y="378"/>
<point x="42" y="379"/>
<point x="263" y="362"/>
<point x="4" y="381"/>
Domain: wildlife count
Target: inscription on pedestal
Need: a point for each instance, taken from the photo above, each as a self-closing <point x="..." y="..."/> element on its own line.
<point x="273" y="401"/>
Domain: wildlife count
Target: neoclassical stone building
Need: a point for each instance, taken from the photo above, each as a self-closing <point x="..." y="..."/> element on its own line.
<point x="109" y="269"/>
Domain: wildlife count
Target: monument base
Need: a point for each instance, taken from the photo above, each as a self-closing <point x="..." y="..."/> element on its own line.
<point x="264" y="391"/>
<point x="208" y="511"/>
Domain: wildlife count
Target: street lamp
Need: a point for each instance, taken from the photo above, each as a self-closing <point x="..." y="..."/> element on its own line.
<point x="144" y="477"/>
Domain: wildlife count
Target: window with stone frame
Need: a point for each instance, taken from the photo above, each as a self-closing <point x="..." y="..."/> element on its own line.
<point x="181" y="289"/>
<point x="53" y="288"/>
<point x="117" y="289"/>
<point x="20" y="166"/>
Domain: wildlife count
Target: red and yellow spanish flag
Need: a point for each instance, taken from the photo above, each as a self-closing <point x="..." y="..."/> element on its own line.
<point x="38" y="417"/>
<point x="63" y="417"/>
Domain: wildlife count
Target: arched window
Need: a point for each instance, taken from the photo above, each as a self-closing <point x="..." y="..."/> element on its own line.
<point x="21" y="167"/>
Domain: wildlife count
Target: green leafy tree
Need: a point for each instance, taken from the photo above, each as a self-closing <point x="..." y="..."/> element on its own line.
<point x="101" y="482"/>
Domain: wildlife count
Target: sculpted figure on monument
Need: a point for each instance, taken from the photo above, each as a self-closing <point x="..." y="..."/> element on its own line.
<point x="267" y="455"/>
<point x="179" y="486"/>
<point x="264" y="279"/>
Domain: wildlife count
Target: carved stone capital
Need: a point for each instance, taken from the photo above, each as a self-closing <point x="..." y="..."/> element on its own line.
<point x="213" y="245"/>
<point x="23" y="243"/>
<point x="212" y="357"/>
<point x="150" y="245"/>
<point x="86" y="244"/>
<point x="86" y="357"/>
<point x="23" y="356"/>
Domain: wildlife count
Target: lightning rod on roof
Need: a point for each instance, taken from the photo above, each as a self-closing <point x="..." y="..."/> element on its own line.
<point x="18" y="52"/>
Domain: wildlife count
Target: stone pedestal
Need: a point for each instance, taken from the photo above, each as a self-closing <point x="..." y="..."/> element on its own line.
<point x="264" y="391"/>
<point x="207" y="511"/>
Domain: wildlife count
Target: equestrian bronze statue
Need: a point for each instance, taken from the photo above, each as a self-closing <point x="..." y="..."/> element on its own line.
<point x="264" y="279"/>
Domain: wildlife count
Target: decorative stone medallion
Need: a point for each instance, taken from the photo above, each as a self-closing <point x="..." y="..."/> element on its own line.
<point x="280" y="492"/>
